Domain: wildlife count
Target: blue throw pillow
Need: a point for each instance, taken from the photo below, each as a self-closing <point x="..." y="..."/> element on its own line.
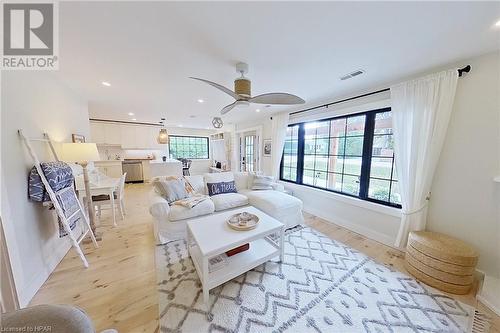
<point x="221" y="188"/>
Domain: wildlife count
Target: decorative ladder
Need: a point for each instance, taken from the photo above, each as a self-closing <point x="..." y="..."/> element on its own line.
<point x="75" y="242"/>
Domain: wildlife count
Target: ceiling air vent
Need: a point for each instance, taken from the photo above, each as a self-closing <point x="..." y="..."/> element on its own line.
<point x="351" y="75"/>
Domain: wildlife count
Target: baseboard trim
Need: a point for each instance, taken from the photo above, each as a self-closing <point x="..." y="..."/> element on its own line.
<point x="369" y="233"/>
<point x="488" y="294"/>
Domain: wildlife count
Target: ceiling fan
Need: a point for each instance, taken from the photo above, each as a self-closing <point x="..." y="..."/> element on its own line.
<point x="242" y="93"/>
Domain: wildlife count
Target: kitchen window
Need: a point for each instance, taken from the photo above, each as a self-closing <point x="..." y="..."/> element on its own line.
<point x="190" y="147"/>
<point x="351" y="155"/>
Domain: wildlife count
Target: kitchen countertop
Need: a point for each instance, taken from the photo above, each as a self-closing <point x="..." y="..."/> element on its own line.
<point x="171" y="160"/>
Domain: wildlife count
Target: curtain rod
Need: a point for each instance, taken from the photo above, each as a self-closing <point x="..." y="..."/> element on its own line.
<point x="465" y="69"/>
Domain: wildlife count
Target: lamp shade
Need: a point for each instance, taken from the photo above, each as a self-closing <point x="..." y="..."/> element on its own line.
<point x="79" y="152"/>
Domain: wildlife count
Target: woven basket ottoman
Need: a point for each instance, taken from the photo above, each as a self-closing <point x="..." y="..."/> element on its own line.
<point x="441" y="261"/>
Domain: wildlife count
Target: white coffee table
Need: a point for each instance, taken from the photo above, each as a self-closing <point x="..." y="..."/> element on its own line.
<point x="210" y="235"/>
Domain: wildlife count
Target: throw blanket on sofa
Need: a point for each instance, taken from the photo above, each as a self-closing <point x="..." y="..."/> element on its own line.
<point x="192" y="201"/>
<point x="60" y="177"/>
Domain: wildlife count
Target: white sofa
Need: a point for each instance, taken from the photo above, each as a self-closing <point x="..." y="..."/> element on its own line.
<point x="170" y="221"/>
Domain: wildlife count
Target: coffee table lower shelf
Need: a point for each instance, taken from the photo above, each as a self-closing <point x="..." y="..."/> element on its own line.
<point x="261" y="250"/>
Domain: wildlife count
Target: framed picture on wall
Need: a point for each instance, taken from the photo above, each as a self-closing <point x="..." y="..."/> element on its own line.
<point x="267" y="147"/>
<point x="78" y="138"/>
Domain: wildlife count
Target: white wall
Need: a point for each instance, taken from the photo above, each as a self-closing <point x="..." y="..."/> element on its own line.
<point x="36" y="102"/>
<point x="465" y="200"/>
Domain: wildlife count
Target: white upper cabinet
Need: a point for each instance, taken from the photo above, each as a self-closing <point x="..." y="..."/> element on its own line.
<point x="97" y="133"/>
<point x="127" y="136"/>
<point x="143" y="137"/>
<point x="113" y="134"/>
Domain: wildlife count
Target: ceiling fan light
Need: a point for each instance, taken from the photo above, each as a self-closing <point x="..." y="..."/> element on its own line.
<point x="163" y="137"/>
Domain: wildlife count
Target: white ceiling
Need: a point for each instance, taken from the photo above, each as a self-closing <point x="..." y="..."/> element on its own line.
<point x="148" y="50"/>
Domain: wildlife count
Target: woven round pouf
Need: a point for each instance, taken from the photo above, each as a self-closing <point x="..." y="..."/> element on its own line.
<point x="441" y="261"/>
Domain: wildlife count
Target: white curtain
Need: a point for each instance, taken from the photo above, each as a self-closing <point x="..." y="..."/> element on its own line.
<point x="421" y="111"/>
<point x="279" y="125"/>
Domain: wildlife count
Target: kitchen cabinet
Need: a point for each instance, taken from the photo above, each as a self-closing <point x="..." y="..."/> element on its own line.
<point x="104" y="133"/>
<point x="128" y="136"/>
<point x="112" y="134"/>
<point x="97" y="133"/>
<point x="143" y="137"/>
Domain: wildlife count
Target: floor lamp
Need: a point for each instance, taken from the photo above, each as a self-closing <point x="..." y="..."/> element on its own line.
<point x="83" y="153"/>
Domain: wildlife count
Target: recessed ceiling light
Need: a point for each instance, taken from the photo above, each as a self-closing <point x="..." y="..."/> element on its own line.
<point x="257" y="110"/>
<point x="130" y="113"/>
<point x="105" y="83"/>
<point x="200" y="100"/>
<point x="497" y="24"/>
<point x="134" y="119"/>
<point x="180" y="125"/>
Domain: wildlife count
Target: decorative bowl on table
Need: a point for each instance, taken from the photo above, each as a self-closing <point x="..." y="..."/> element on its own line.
<point x="243" y="221"/>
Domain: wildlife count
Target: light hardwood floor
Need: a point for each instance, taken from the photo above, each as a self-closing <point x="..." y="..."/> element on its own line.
<point x="118" y="290"/>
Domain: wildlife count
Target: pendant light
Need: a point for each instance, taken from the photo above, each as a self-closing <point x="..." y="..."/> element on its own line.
<point x="217" y="122"/>
<point x="163" y="135"/>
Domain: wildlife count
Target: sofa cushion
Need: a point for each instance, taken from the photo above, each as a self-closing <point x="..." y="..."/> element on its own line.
<point x="241" y="180"/>
<point x="178" y="212"/>
<point x="272" y="202"/>
<point x="228" y="201"/>
<point x="262" y="182"/>
<point x="196" y="183"/>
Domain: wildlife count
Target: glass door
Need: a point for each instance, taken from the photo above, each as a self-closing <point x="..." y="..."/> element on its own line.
<point x="249" y="143"/>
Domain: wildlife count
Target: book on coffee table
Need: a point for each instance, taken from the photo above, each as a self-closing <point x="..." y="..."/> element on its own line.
<point x="238" y="249"/>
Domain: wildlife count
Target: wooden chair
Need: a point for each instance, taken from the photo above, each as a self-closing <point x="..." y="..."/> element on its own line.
<point x="103" y="201"/>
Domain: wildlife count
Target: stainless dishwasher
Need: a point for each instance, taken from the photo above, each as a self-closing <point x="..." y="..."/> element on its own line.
<point x="134" y="171"/>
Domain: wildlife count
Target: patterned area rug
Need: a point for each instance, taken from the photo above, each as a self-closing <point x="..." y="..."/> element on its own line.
<point x="322" y="286"/>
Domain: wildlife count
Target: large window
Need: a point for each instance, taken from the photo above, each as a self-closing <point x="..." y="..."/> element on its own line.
<point x="191" y="147"/>
<point x="352" y="155"/>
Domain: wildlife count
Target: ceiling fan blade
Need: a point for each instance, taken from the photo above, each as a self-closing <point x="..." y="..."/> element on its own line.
<point x="218" y="86"/>
<point x="228" y="108"/>
<point x="277" y="98"/>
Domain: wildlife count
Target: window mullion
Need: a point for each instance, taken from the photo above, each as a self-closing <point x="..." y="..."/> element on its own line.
<point x="300" y="153"/>
<point x="367" y="155"/>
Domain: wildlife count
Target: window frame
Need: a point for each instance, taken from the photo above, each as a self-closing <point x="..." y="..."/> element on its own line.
<point x="206" y="138"/>
<point x="366" y="158"/>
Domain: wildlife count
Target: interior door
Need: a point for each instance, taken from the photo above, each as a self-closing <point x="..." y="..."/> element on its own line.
<point x="249" y="151"/>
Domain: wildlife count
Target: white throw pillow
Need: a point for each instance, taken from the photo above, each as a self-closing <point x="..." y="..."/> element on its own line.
<point x="262" y="182"/>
